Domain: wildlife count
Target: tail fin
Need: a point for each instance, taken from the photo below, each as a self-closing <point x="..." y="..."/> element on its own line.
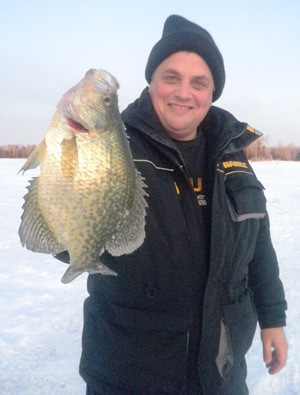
<point x="74" y="271"/>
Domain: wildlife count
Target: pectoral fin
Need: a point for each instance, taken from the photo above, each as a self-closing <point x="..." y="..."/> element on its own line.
<point x="69" y="157"/>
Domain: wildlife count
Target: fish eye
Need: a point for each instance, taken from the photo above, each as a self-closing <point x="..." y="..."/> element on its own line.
<point x="107" y="101"/>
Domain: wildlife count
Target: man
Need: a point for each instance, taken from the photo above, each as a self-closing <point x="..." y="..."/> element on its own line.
<point x="182" y="312"/>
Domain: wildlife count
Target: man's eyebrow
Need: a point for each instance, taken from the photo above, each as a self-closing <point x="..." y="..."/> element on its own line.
<point x="170" y="70"/>
<point x="201" y="77"/>
<point x="173" y="71"/>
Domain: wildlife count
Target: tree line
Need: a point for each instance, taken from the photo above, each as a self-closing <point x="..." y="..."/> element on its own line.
<point x="258" y="150"/>
<point x="16" y="151"/>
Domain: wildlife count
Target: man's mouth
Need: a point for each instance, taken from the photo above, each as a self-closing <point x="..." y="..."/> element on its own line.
<point x="179" y="107"/>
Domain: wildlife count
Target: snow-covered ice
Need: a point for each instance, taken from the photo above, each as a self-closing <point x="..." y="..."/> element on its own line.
<point x="41" y="319"/>
<point x="282" y="183"/>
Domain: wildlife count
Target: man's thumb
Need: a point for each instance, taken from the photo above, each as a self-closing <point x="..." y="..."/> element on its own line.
<point x="267" y="352"/>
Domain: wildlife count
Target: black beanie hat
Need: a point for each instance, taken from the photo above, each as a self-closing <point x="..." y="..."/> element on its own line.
<point x="179" y="34"/>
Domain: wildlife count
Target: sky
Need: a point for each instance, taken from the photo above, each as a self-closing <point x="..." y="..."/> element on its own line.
<point x="46" y="47"/>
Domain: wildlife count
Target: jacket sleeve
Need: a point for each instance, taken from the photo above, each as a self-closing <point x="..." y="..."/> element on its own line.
<point x="264" y="281"/>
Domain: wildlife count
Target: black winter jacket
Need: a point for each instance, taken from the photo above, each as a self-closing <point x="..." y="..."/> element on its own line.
<point x="139" y="326"/>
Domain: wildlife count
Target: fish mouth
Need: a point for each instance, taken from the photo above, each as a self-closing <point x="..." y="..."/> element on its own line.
<point x="74" y="121"/>
<point x="77" y="126"/>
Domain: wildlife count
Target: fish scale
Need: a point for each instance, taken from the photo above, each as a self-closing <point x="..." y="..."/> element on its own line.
<point x="89" y="196"/>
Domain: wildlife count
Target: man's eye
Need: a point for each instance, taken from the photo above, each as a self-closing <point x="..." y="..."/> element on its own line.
<point x="170" y="78"/>
<point x="199" y="84"/>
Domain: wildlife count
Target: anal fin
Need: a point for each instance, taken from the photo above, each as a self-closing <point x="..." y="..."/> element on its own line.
<point x="131" y="233"/>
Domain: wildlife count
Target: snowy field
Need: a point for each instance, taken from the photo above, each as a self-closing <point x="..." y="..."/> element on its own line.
<point x="41" y="319"/>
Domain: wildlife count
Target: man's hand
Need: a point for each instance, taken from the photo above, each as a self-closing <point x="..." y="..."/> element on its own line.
<point x="274" y="349"/>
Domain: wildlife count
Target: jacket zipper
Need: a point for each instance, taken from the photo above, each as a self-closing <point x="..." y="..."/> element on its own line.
<point x="177" y="191"/>
<point x="187" y="343"/>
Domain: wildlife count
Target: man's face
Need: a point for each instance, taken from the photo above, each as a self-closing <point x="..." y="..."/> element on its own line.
<point x="181" y="93"/>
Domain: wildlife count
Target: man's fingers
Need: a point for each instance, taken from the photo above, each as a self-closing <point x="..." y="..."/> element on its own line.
<point x="274" y="339"/>
<point x="277" y="362"/>
<point x="281" y="358"/>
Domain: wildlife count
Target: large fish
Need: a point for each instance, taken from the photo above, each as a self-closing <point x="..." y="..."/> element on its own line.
<point x="89" y="196"/>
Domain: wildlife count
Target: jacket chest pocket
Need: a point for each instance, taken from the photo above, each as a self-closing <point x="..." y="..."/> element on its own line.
<point x="245" y="197"/>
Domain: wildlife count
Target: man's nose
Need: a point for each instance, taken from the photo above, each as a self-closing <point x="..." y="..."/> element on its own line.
<point x="183" y="91"/>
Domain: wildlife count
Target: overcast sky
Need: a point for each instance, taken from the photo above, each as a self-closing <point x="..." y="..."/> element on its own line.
<point x="47" y="46"/>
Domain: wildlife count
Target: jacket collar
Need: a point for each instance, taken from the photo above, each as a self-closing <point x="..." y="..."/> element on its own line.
<point x="141" y="115"/>
<point x="225" y="134"/>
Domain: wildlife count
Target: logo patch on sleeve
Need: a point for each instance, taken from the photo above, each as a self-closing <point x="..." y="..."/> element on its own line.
<point x="234" y="163"/>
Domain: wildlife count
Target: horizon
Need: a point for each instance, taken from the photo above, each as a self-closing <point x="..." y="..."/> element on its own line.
<point x="47" y="49"/>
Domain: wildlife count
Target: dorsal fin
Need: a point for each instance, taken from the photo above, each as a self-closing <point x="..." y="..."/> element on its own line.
<point x="35" y="158"/>
<point x="34" y="231"/>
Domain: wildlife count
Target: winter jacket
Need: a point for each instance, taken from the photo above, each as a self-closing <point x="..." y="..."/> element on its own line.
<point x="189" y="277"/>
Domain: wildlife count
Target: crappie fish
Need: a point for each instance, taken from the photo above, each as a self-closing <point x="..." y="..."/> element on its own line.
<point x="88" y="196"/>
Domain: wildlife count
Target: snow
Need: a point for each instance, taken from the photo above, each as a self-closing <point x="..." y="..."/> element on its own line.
<point x="282" y="183"/>
<point x="41" y="319"/>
